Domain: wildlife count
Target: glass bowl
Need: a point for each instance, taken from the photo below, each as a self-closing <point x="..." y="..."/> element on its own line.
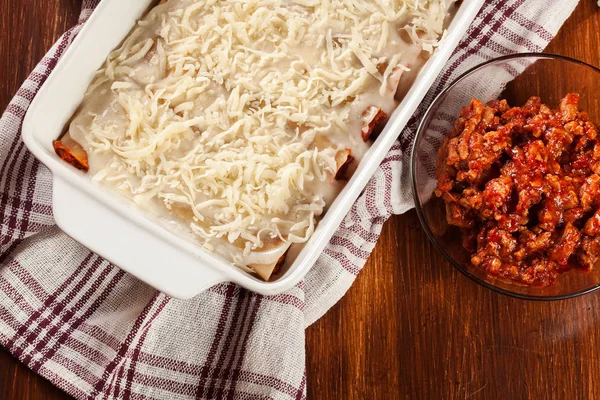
<point x="514" y="78"/>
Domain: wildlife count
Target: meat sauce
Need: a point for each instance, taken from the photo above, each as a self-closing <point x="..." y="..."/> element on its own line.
<point x="523" y="186"/>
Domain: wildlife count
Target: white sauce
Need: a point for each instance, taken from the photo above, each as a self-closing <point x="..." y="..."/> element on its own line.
<point x="209" y="114"/>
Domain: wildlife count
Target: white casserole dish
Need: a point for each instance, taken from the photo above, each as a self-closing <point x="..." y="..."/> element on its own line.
<point x="125" y="236"/>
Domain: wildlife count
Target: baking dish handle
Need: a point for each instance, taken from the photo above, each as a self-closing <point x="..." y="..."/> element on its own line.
<point x="130" y="246"/>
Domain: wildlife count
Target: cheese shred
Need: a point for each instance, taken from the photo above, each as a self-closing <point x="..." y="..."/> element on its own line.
<point x="210" y="112"/>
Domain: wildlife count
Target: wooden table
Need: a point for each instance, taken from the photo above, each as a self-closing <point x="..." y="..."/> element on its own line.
<point x="411" y="326"/>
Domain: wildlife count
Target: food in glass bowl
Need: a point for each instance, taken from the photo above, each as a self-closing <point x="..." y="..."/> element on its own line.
<point x="523" y="186"/>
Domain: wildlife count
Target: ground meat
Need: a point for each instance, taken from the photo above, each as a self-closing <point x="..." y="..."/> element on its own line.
<point x="523" y="184"/>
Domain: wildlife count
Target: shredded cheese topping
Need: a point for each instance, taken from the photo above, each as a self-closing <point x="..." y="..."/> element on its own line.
<point x="213" y="111"/>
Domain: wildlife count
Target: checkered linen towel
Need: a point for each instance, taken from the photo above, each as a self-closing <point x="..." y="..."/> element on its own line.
<point x="97" y="332"/>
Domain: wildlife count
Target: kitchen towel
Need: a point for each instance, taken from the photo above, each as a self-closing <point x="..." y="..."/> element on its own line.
<point x="97" y="332"/>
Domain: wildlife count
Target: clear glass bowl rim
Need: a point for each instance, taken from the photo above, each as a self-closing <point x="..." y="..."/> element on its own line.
<point x="413" y="160"/>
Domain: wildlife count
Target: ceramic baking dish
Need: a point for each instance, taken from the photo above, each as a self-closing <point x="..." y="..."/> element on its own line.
<point x="125" y="236"/>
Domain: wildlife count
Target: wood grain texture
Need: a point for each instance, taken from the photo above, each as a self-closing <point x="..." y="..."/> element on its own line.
<point x="411" y="327"/>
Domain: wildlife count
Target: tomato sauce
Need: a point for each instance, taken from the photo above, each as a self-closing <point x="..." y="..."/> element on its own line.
<point x="523" y="185"/>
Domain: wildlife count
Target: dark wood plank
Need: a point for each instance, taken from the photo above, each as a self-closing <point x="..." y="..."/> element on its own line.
<point x="411" y="327"/>
<point x="27" y="30"/>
